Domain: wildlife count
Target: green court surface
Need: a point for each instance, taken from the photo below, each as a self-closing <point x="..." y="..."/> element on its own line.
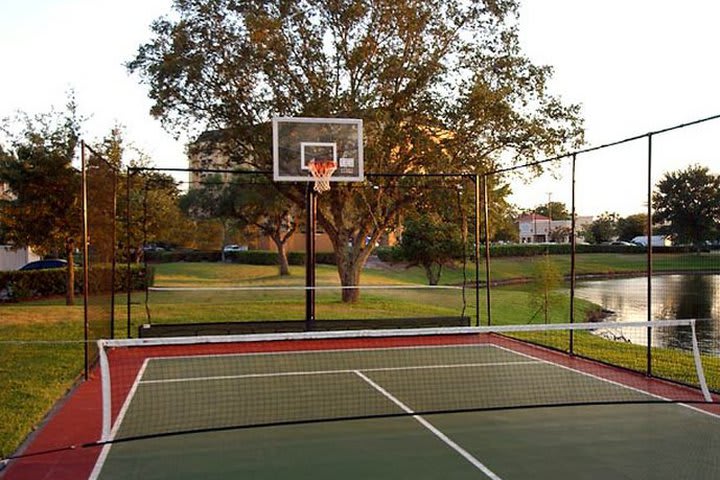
<point x="216" y="393"/>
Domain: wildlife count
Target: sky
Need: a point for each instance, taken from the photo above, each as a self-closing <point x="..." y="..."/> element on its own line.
<point x="634" y="65"/>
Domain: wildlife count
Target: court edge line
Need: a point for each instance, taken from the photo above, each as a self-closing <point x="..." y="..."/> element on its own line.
<point x="613" y="382"/>
<point x="323" y="350"/>
<point x="328" y="372"/>
<point x="100" y="462"/>
<point x="434" y="430"/>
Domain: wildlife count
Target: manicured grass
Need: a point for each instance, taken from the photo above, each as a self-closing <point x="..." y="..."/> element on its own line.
<point x="35" y="374"/>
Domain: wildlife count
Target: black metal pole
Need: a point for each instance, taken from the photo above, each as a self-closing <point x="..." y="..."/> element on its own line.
<point x="487" y="246"/>
<point x="86" y="276"/>
<point x="649" y="255"/>
<point x="128" y="252"/>
<point x="310" y="228"/>
<point x="573" y="243"/>
<point x="477" y="250"/>
<point x="146" y="282"/>
<point x="113" y="252"/>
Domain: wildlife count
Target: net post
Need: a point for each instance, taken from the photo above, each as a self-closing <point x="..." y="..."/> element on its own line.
<point x="106" y="392"/>
<point x="698" y="364"/>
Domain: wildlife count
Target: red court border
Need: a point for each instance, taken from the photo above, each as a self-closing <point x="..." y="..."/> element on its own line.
<point x="77" y="421"/>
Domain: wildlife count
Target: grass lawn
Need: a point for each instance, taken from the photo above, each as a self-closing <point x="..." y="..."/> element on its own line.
<point x="35" y="374"/>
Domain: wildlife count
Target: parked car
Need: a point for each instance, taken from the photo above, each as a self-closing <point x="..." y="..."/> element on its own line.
<point x="235" y="248"/>
<point x="623" y="243"/>
<point x="45" y="264"/>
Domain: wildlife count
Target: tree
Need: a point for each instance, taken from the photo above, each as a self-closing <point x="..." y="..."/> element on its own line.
<point x="554" y="210"/>
<point x="546" y="279"/>
<point x="687" y="202"/>
<point x="244" y="205"/>
<point x="212" y="201"/>
<point x="155" y="214"/>
<point x="430" y="242"/>
<point x="602" y="229"/>
<point x="632" y="226"/>
<point x="43" y="207"/>
<point x="440" y="88"/>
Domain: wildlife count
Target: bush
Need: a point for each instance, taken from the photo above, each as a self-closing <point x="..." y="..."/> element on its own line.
<point x="20" y="285"/>
<point x="185" y="256"/>
<point x="265" y="257"/>
<point x="389" y="254"/>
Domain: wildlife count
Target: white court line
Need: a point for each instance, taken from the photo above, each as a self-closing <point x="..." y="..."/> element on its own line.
<point x="116" y="426"/>
<point x="464" y="453"/>
<point x="328" y="372"/>
<point x="612" y="382"/>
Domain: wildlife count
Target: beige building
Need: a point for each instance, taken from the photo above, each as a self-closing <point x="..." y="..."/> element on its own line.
<point x="536" y="228"/>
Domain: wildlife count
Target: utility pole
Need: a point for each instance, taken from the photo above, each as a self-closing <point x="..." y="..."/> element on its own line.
<point x="547" y="237"/>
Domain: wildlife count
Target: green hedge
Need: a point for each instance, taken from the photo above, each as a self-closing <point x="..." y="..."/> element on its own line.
<point x="184" y="256"/>
<point x="249" y="257"/>
<point x="32" y="284"/>
<point x="265" y="257"/>
<point x="393" y="254"/>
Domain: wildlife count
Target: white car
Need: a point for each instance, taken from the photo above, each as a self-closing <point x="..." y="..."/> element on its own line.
<point x="235" y="248"/>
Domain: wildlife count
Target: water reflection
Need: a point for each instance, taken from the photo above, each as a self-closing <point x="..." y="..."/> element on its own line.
<point x="674" y="296"/>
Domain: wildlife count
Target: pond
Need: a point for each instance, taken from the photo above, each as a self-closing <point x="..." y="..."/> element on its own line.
<point x="674" y="296"/>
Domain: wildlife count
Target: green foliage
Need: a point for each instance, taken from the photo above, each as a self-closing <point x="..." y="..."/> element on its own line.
<point x="687" y="204"/>
<point x="554" y="210"/>
<point x="389" y="254"/>
<point x="155" y="215"/>
<point x="440" y="88"/>
<point x="430" y="242"/>
<point x="546" y="279"/>
<point x="602" y="229"/>
<point x="20" y="285"/>
<point x="632" y="226"/>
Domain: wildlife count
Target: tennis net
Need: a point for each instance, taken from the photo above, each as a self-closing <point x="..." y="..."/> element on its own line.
<point x="164" y="386"/>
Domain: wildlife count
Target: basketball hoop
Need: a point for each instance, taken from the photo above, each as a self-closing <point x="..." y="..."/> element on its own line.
<point x="322" y="170"/>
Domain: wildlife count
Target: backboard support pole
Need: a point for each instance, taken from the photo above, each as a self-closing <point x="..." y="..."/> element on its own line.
<point x="310" y="230"/>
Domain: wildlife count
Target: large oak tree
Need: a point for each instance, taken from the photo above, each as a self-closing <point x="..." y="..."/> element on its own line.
<point x="441" y="86"/>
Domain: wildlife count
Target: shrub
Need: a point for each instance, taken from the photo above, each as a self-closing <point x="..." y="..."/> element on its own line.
<point x="20" y="285"/>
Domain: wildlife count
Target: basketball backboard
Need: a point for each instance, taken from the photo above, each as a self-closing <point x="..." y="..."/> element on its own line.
<point x="297" y="141"/>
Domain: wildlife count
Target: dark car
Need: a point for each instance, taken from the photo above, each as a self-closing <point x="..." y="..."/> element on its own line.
<point x="45" y="264"/>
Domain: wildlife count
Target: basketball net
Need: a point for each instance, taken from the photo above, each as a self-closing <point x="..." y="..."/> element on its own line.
<point x="322" y="170"/>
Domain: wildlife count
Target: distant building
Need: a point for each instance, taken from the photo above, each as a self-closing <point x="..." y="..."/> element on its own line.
<point x="536" y="228"/>
<point x="12" y="258"/>
<point x="211" y="151"/>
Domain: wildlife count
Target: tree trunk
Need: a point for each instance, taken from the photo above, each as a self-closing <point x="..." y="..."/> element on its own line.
<point x="349" y="277"/>
<point x="282" y="255"/>
<point x="432" y="274"/>
<point x="70" y="275"/>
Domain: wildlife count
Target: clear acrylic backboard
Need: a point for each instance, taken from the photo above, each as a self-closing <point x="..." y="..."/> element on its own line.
<point x="298" y="141"/>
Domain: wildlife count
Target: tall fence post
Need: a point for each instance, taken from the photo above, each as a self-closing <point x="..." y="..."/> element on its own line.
<point x="128" y="252"/>
<point x="476" y="250"/>
<point x="649" y="255"/>
<point x="487" y="246"/>
<point x="86" y="276"/>
<point x="573" y="243"/>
